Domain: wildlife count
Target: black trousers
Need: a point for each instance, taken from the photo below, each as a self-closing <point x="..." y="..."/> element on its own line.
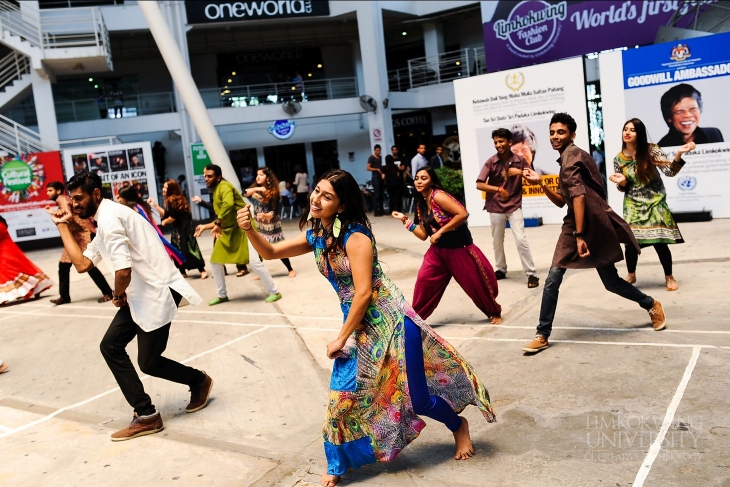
<point x="150" y="345"/>
<point x="662" y="250"/>
<point x="64" y="268"/>
<point x="378" y="193"/>
<point x="611" y="281"/>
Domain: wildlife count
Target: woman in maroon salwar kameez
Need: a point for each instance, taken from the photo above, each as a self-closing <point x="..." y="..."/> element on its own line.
<point x="452" y="253"/>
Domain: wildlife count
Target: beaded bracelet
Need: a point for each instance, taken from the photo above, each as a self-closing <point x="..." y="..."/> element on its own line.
<point x="411" y="226"/>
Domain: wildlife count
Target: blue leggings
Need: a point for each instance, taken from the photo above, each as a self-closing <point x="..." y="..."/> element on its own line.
<point x="424" y="404"/>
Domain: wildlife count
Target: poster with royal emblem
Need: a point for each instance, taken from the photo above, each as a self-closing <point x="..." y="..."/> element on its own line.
<point x="679" y="91"/>
<point x="522" y="101"/>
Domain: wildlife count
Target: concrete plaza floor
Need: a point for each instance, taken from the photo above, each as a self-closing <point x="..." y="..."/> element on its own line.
<point x="610" y="403"/>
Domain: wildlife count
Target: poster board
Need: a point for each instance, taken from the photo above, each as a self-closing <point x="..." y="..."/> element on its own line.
<point x="633" y="83"/>
<point x="118" y="166"/>
<point x="522" y="99"/>
<point x="23" y="183"/>
<point x="521" y="32"/>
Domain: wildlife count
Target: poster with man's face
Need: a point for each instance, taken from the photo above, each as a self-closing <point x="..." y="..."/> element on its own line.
<point x="118" y="160"/>
<point x="98" y="162"/>
<point x="136" y="158"/>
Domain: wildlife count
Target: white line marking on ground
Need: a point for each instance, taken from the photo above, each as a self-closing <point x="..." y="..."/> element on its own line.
<point x="17" y="313"/>
<point x="668" y="419"/>
<point x="105" y="393"/>
<point x="436" y="326"/>
<point x="6" y="429"/>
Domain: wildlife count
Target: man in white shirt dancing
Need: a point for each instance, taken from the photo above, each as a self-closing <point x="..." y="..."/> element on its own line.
<point x="147" y="290"/>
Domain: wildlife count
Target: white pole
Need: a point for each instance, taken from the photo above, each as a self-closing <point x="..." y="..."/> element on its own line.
<point x="188" y="91"/>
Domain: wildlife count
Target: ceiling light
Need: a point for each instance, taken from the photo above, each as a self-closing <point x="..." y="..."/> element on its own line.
<point x="319" y="65"/>
<point x="404" y="33"/>
<point x="96" y="86"/>
<point x="458" y="63"/>
<point x="230" y="80"/>
<point x="293" y="88"/>
<point x="91" y="79"/>
<point x="233" y="73"/>
<point x="309" y="74"/>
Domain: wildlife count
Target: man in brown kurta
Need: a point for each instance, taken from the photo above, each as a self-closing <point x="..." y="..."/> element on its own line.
<point x="81" y="229"/>
<point x="591" y="233"/>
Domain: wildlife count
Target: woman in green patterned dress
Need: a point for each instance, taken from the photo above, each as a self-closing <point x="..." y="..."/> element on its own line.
<point x="389" y="365"/>
<point x="637" y="169"/>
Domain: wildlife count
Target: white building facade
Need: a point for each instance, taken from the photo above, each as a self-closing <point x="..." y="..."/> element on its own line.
<point x="349" y="74"/>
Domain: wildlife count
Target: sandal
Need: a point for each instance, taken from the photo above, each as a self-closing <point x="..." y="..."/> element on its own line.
<point x="105" y="298"/>
<point x="671" y="284"/>
<point x="242" y="273"/>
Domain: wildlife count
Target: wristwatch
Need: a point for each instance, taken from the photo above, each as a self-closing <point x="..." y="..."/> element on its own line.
<point x="120" y="297"/>
<point x="577" y="234"/>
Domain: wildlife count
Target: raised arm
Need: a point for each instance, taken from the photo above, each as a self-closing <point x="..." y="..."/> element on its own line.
<point x="80" y="262"/>
<point x="533" y="177"/>
<point x="288" y="248"/>
<point x="360" y="254"/>
<point x="415" y="229"/>
<point x="670" y="169"/>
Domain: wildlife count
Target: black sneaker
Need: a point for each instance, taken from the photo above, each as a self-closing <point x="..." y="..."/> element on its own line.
<point x="533" y="281"/>
<point x="500" y="275"/>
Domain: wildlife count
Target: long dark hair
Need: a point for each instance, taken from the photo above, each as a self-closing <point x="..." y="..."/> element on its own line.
<point x="175" y="198"/>
<point x="131" y="194"/>
<point x="421" y="204"/>
<point x="645" y="169"/>
<point x="348" y="191"/>
<point x="272" y="193"/>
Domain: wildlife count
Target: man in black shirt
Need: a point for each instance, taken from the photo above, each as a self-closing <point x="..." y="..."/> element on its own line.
<point x="375" y="166"/>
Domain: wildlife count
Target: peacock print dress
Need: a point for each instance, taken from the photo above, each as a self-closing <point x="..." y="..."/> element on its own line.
<point x="645" y="205"/>
<point x="370" y="416"/>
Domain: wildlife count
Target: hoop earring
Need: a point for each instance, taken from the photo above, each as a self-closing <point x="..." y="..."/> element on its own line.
<point x="336" y="226"/>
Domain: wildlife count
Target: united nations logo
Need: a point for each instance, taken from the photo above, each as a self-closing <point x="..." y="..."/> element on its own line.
<point x="687" y="183"/>
<point x="680" y="52"/>
<point x="515" y="80"/>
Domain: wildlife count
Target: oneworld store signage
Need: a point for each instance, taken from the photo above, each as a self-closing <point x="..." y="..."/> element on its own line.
<point x="207" y="11"/>
<point x="282" y="129"/>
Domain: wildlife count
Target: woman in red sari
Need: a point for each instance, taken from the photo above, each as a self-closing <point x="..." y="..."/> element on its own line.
<point x="20" y="279"/>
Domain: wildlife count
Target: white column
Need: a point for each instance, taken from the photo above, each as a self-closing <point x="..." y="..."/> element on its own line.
<point x="260" y="156"/>
<point x="309" y="155"/>
<point x="433" y="40"/>
<point x="45" y="110"/>
<point x="188" y="90"/>
<point x="375" y="76"/>
<point x="176" y="17"/>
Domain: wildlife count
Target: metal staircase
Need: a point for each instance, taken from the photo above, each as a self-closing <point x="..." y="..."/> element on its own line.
<point x="15" y="81"/>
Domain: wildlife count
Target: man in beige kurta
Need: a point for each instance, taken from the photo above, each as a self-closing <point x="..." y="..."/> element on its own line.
<point x="591" y="233"/>
<point x="82" y="230"/>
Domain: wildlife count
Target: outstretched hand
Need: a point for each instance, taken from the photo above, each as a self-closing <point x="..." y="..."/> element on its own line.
<point x="60" y="216"/>
<point x="398" y="215"/>
<point x="531" y="176"/>
<point x="243" y="217"/>
<point x="617" y="178"/>
<point x="688" y="147"/>
<point x="196" y="199"/>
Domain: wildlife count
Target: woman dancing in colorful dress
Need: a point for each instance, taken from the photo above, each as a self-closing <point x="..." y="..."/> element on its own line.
<point x="20" y="279"/>
<point x="645" y="199"/>
<point x="177" y="214"/>
<point x="130" y="196"/>
<point x="452" y="253"/>
<point x="265" y="199"/>
<point x="379" y="382"/>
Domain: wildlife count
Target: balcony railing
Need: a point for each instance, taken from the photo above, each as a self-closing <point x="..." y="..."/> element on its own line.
<point x="433" y="70"/>
<point x="134" y="105"/>
<point x="272" y="93"/>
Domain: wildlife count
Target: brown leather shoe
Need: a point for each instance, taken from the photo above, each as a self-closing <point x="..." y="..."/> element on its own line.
<point x="199" y="396"/>
<point x="140" y="426"/>
<point x="658" y="318"/>
<point x="537" y="344"/>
